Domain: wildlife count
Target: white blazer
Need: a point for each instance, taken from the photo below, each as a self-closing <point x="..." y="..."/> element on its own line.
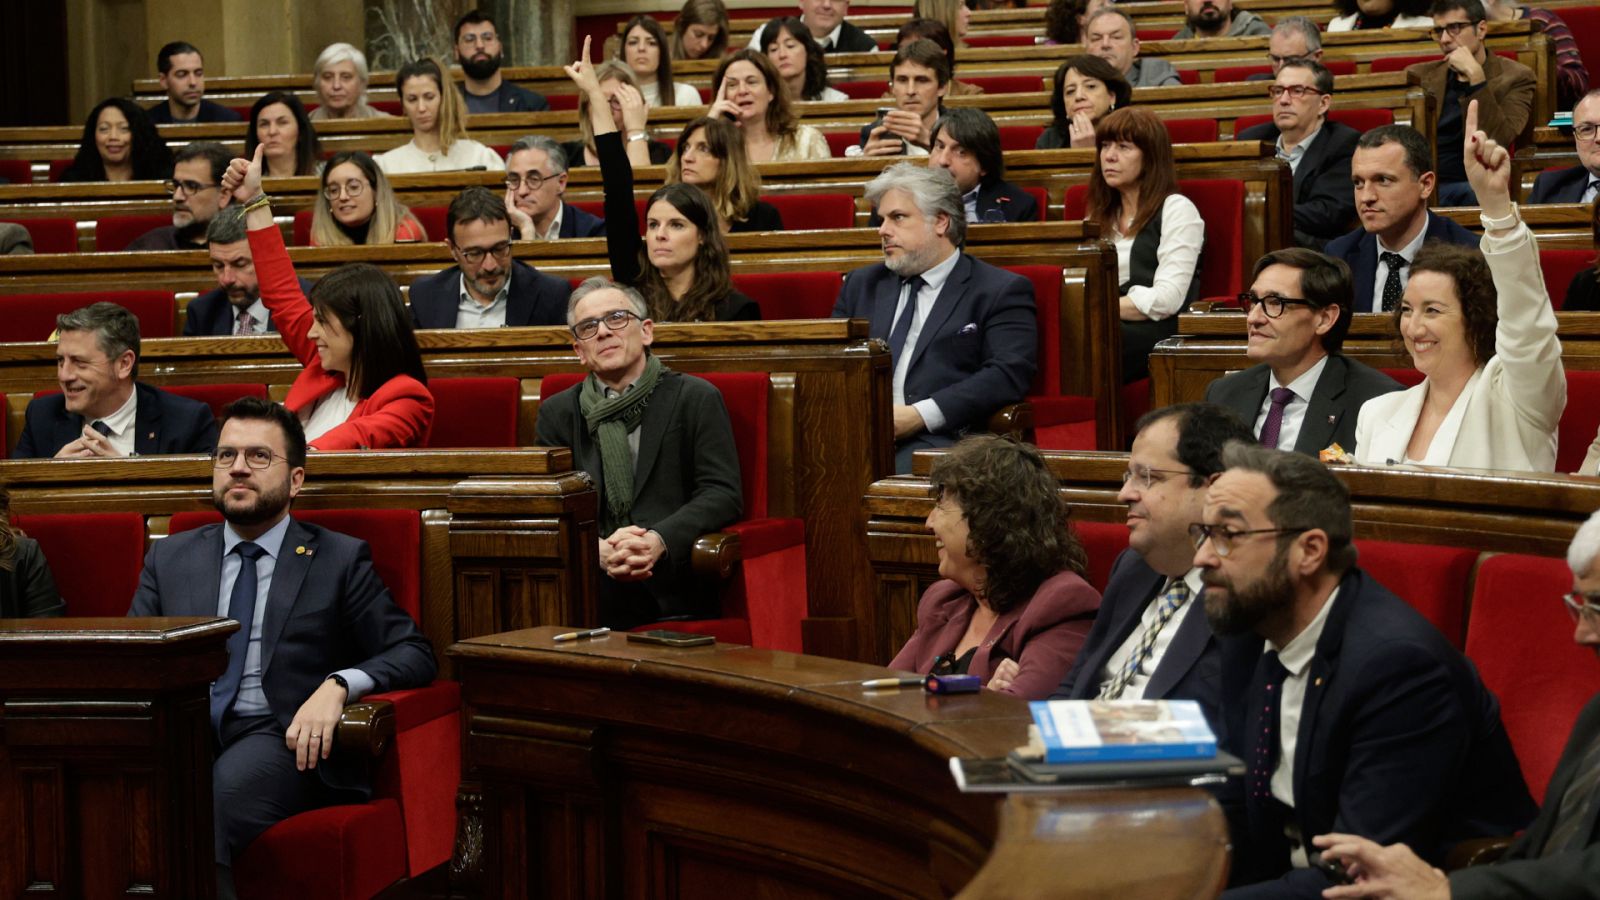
<point x="1507" y="416"/>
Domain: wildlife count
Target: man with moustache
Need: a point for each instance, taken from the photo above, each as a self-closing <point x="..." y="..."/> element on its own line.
<point x="275" y="708"/>
<point x="486" y="288"/>
<point x="196" y="176"/>
<point x="1218" y="18"/>
<point x="1351" y="711"/>
<point x="234" y="307"/>
<point x="536" y="182"/>
<point x="1317" y="150"/>
<point x="479" y="52"/>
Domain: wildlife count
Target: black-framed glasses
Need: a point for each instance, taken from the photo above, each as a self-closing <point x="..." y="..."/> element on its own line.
<point x="254" y="457"/>
<point x="475" y="255"/>
<point x="1145" y="476"/>
<point x="1579" y="604"/>
<point x="1271" y="304"/>
<point x="616" y="320"/>
<point x="355" y="187"/>
<point x="1452" y="29"/>
<point x="1296" y="92"/>
<point x="1585" y="131"/>
<point x="189" y="187"/>
<point x="533" y="180"/>
<point x="1223" y="538"/>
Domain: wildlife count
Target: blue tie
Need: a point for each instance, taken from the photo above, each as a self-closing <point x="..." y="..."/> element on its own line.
<point x="102" y="427"/>
<point x="902" y="325"/>
<point x="241" y="607"/>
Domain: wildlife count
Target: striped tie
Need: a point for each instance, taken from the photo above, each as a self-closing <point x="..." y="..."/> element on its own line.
<point x="1170" y="602"/>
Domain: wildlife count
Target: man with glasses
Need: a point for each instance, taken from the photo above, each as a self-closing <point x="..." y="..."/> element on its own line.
<point x="486" y="288"/>
<point x="196" y="174"/>
<point x="1580" y="183"/>
<point x="536" y="182"/>
<point x="1302" y="394"/>
<point x="1351" y="711"/>
<point x="1317" y="150"/>
<point x="1149" y="641"/>
<point x="660" y="449"/>
<point x="483" y="87"/>
<point x="276" y="706"/>
<point x="1558" y="857"/>
<point x="1504" y="89"/>
<point x="1293" y="37"/>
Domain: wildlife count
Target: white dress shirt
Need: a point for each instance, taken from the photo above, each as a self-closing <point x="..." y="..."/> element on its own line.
<point x="327" y="414"/>
<point x="123" y="424"/>
<point x="1294" y="412"/>
<point x="1141" y="678"/>
<point x="934" y="280"/>
<point x="551" y="233"/>
<point x="257" y="312"/>
<point x="472" y="314"/>
<point x="1409" y="251"/>
<point x="1296" y="657"/>
<point x="1183" y="233"/>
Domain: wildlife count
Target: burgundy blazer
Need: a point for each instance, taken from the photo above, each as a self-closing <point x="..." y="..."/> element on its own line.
<point x="1043" y="634"/>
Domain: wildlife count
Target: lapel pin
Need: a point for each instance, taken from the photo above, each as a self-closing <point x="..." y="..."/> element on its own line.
<point x="151" y="436"/>
<point x="1331" y="418"/>
<point x="300" y="550"/>
<point x="1319" y="682"/>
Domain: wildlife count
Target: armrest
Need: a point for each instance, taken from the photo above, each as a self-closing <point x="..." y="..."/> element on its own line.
<point x="714" y="555"/>
<point x="365" y="728"/>
<point x="1015" y="420"/>
<point x="1476" y="852"/>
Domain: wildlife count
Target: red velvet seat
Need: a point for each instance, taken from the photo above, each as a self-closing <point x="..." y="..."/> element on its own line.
<point x="1019" y="137"/>
<point x="1585" y="24"/>
<point x="790" y="295"/>
<point x="1191" y="131"/>
<point x="474" y="412"/>
<point x="863" y="89"/>
<point x="562" y="101"/>
<point x="1559" y="268"/>
<point x="1041" y="198"/>
<point x="1228" y="74"/>
<point x="765" y="601"/>
<point x="1103" y="541"/>
<point x="392" y="107"/>
<point x="1000" y="40"/>
<point x="840" y="141"/>
<point x="58" y="167"/>
<point x="32" y="317"/>
<point x="52" y="235"/>
<point x="1009" y="84"/>
<point x="16" y="171"/>
<point x="1061" y="421"/>
<point x="113" y="234"/>
<point x="1521" y="640"/>
<point x="1156" y="34"/>
<point x="1433" y="579"/>
<point x="101" y="583"/>
<point x="802" y="212"/>
<point x="5" y="445"/>
<point x="1580" y="421"/>
<point x="1221" y="204"/>
<point x="1188" y="76"/>
<point x="217" y="396"/>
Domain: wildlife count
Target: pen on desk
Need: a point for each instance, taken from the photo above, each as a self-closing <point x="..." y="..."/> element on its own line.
<point x="575" y="635"/>
<point x="893" y="682"/>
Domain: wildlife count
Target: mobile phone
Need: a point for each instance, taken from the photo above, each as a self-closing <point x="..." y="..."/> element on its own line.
<point x="671" y="638"/>
<point x="1334" y="869"/>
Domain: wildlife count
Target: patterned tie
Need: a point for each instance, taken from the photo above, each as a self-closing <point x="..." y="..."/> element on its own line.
<point x="1391" y="285"/>
<point x="902" y="325"/>
<point x="241" y="608"/>
<point x="1266" y="815"/>
<point x="1576" y="811"/>
<point x="1170" y="602"/>
<point x="246" y="325"/>
<point x="1274" y="424"/>
<point x="1592" y="191"/>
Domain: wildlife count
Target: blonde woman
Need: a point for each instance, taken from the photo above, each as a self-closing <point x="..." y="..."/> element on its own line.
<point x="629" y="113"/>
<point x="439" y="141"/>
<point x="954" y="15"/>
<point x="357" y="206"/>
<point x="340" y="79"/>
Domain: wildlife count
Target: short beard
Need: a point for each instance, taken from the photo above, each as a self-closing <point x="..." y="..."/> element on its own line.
<point x="268" y="505"/>
<point x="910" y="262"/>
<point x="1245" y="609"/>
<point x="1208" y="21"/>
<point x="248" y="300"/>
<point x="478" y="70"/>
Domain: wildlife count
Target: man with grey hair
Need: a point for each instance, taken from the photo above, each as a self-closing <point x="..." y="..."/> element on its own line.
<point x="962" y="334"/>
<point x="659" y="446"/>
<point x="1293" y="37"/>
<point x="102" y="410"/>
<point x="536" y="184"/>
<point x="234" y="307"/>
<point x="1109" y="33"/>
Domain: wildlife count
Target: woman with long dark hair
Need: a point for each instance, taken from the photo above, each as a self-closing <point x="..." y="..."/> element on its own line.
<point x="279" y="122"/>
<point x="119" y="143"/>
<point x="711" y="156"/>
<point x="27" y="589"/>
<point x="644" y="49"/>
<point x="798" y="58"/>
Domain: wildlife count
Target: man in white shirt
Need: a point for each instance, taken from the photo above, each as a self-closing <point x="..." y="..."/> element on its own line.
<point x="486" y="288"/>
<point x="1302" y="394"/>
<point x="536" y="183"/>
<point x="833" y="34"/>
<point x="919" y="77"/>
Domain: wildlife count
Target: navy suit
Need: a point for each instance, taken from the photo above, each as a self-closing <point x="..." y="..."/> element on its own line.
<point x="1013" y="203"/>
<point x="1399" y="741"/>
<point x="212" y="314"/>
<point x="575" y="223"/>
<point x="976" y="353"/>
<point x="1324" y="204"/>
<point x="1330" y="415"/>
<point x="535" y="298"/>
<point x="1560" y="185"/>
<point x="1359" y="248"/>
<point x="163" y="423"/>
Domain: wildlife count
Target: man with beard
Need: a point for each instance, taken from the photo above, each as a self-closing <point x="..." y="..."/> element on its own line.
<point x="1351" y="711"/>
<point x="486" y="288"/>
<point x="479" y="52"/>
<point x="196" y="175"/>
<point x="962" y="334"/>
<point x="275" y="707"/>
<point x="1218" y="18"/>
<point x="183" y="77"/>
<point x="234" y="306"/>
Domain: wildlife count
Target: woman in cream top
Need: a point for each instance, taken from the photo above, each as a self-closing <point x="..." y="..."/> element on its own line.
<point x="751" y="93"/>
<point x="439" y="141"/>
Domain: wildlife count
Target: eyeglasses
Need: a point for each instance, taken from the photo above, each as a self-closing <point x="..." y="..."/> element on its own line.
<point x="475" y="255"/>
<point x="1581" y="604"/>
<point x="534" y="180"/>
<point x="1452" y="29"/>
<point x="189" y="187"/>
<point x="616" y="320"/>
<point x="1280" y="60"/>
<point x="1271" y="304"/>
<point x="354" y="187"/>
<point x="1223" y="538"/>
<point x="1145" y="476"/>
<point x="1585" y="131"/>
<point x="254" y="457"/>
<point x="1296" y="92"/>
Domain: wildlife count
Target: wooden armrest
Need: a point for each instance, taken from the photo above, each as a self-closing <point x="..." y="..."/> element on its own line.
<point x="1015" y="420"/>
<point x="714" y="555"/>
<point x="365" y="728"/>
<point x="1476" y="852"/>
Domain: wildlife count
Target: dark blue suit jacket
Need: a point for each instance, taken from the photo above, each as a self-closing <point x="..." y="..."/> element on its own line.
<point x="326" y="610"/>
<point x="1399" y="741"/>
<point x="163" y="423"/>
<point x="979" y="348"/>
<point x="1560" y="186"/>
<point x="535" y="298"/>
<point x="575" y="223"/>
<point x="1360" y="250"/>
<point x="1013" y="203"/>
<point x="212" y="314"/>
<point x="1324" y="204"/>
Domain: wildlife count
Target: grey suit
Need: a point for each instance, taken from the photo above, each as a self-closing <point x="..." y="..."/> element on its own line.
<point x="1331" y="415"/>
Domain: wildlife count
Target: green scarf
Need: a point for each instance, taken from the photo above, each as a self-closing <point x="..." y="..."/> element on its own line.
<point x="610" y="419"/>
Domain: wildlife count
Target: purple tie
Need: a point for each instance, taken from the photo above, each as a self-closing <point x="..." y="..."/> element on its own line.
<point x="1274" y="424"/>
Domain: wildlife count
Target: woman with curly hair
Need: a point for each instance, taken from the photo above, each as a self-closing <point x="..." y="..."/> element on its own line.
<point x="1361" y="15"/>
<point x="751" y="94"/>
<point x="798" y="58"/>
<point x="27" y="590"/>
<point x="1013" y="608"/>
<point x="119" y="143"/>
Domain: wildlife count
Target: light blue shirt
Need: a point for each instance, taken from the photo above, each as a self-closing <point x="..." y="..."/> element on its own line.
<point x="1293" y="157"/>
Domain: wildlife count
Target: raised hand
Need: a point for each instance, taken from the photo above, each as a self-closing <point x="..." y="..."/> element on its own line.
<point x="1488" y="167"/>
<point x="242" y="180"/>
<point x="582" y="72"/>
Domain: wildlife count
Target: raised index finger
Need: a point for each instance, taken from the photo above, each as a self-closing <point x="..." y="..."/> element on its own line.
<point x="1472" y="119"/>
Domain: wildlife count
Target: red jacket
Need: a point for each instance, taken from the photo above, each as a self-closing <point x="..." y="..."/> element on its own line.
<point x="398" y="414"/>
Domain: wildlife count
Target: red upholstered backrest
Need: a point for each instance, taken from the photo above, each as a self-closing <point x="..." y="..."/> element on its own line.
<point x="1580" y="421"/>
<point x="814" y="211"/>
<point x="217" y="396"/>
<point x="1245" y="123"/>
<point x="1559" y="267"/>
<point x="32" y="317"/>
<point x="432" y="219"/>
<point x="562" y="101"/>
<point x="1008" y="84"/>
<point x="999" y="40"/>
<point x="1221" y="204"/>
<point x="302" y="228"/>
<point x="1521" y="640"/>
<point x="1191" y="131"/>
<point x="474" y="412"/>
<point x="115" y="233"/>
<point x="1407" y="377"/>
<point x="58" y="167"/>
<point x="16" y="171"/>
<point x="1432" y="579"/>
<point x="864" y="89"/>
<point x="790" y="295"/>
<point x="57" y="235"/>
<point x="1188" y="76"/>
<point x="1019" y="137"/>
<point x="5" y="445"/>
<point x="1585" y="24"/>
<point x="1156" y="34"/>
<point x="95" y="558"/>
<point x="1047" y="301"/>
<point x="1362" y="120"/>
<point x="839" y="141"/>
<point x="1075" y="202"/>
<point x="1103" y="541"/>
<point x="392" y="107"/>
<point x="1040" y="197"/>
<point x="1238" y="73"/>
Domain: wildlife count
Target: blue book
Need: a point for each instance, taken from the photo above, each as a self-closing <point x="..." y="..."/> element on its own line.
<point x="1091" y="731"/>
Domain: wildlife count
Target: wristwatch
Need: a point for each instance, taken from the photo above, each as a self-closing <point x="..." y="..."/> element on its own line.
<point x="637" y="136"/>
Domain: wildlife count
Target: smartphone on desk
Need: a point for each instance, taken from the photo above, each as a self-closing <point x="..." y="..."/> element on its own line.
<point x="671" y="638"/>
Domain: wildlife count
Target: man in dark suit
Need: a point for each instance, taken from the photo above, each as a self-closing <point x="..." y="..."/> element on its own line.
<point x="1303" y="394"/>
<point x="1558" y="857"/>
<point x="826" y="19"/>
<point x="1351" y="711"/>
<point x="1318" y="151"/>
<point x="1149" y="640"/>
<point x="536" y="181"/>
<point x="966" y="143"/>
<point x="1580" y="183"/>
<point x="1392" y="174"/>
<point x="102" y="410"/>
<point x="483" y="86"/>
<point x="275" y="708"/>
<point x="486" y="288"/>
<point x="963" y="335"/>
<point x="660" y="446"/>
<point x="235" y="306"/>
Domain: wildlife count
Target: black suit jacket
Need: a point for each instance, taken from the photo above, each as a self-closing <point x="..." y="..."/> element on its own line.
<point x="27" y="589"/>
<point x="163" y="423"/>
<point x="1330" y="416"/>
<point x="1324" y="204"/>
<point x="535" y="298"/>
<point x="853" y="40"/>
<point x="1360" y="250"/>
<point x="575" y="223"/>
<point x="1399" y="741"/>
<point x="326" y="610"/>
<point x="1013" y="203"/>
<point x="212" y="314"/>
<point x="1189" y="669"/>
<point x="1560" y="185"/>
<point x="979" y="348"/>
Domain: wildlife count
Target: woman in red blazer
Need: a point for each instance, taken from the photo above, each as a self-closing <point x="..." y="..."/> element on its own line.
<point x="363" y="386"/>
<point x="1013" y="608"/>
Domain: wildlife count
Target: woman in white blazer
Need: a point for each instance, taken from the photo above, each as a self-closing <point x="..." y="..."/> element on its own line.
<point x="1486" y="403"/>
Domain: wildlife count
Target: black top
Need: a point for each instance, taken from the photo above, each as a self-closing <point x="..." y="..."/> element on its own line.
<point x="1583" y="295"/>
<point x="659" y="153"/>
<point x="161" y="114"/>
<point x="171" y="237"/>
<point x="507" y="97"/>
<point x="763" y="217"/>
<point x="27" y="590"/>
